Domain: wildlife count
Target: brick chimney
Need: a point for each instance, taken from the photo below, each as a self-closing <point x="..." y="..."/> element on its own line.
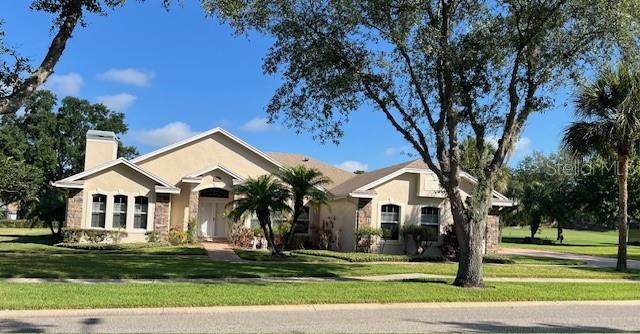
<point x="101" y="147"/>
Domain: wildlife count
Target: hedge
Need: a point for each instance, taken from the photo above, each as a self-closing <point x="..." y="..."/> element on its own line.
<point x="21" y="223"/>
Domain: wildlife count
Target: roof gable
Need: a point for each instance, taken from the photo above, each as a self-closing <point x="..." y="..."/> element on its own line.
<point x="202" y="135"/>
<point x="72" y="181"/>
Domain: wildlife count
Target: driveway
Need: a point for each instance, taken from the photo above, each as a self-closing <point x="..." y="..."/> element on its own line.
<point x="596" y="261"/>
<point x="538" y="317"/>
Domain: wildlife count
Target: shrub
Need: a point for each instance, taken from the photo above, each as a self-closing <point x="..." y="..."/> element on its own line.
<point x="176" y="236"/>
<point x="257" y="232"/>
<point x="449" y="245"/>
<point x="22" y="223"/>
<point x="241" y="236"/>
<point x="72" y="236"/>
<point x="366" y="237"/>
<point x="153" y="236"/>
<point x="323" y="237"/>
<point x="92" y="236"/>
<point x="420" y="235"/>
<point x="191" y="231"/>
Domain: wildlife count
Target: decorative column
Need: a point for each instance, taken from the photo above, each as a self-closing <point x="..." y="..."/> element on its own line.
<point x="194" y="198"/>
<point x="74" y="209"/>
<point x="161" y="214"/>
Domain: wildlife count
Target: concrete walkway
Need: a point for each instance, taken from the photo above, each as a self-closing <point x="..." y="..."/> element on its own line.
<point x="377" y="278"/>
<point x="596" y="261"/>
<point x="220" y="251"/>
<point x="511" y="317"/>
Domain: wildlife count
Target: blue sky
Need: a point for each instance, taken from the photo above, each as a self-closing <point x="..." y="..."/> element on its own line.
<point x="177" y="73"/>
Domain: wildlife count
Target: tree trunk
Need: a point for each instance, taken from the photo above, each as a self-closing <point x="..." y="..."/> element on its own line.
<point x="274" y="249"/>
<point x="623" y="171"/>
<point x="470" y="229"/>
<point x="13" y="102"/>
<point x="297" y="211"/>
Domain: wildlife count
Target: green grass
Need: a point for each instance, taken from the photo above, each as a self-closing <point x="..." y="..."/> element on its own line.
<point x="152" y="266"/>
<point x="64" y="296"/>
<point x="575" y="242"/>
<point x="39" y="240"/>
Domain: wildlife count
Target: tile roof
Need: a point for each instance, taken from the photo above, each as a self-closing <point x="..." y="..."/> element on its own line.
<point x="360" y="180"/>
<point x="337" y="175"/>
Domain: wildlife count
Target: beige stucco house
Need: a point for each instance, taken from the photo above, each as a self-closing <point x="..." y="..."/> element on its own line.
<point x="192" y="180"/>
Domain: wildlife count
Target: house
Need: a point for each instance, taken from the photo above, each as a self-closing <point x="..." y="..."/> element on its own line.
<point x="10" y="211"/>
<point x="192" y="181"/>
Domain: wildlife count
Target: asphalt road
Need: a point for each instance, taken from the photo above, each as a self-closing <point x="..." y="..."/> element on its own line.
<point x="536" y="317"/>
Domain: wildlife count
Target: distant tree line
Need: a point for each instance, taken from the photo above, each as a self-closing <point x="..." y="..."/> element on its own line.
<point x="45" y="144"/>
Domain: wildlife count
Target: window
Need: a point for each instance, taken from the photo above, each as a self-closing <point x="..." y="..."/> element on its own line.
<point x="303" y="221"/>
<point x="390" y="222"/>
<point x="141" y="212"/>
<point x="430" y="218"/>
<point x="98" y="210"/>
<point x="277" y="218"/>
<point x="120" y="211"/>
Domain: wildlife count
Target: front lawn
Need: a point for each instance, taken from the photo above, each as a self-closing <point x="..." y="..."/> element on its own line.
<point x="575" y="242"/>
<point x="65" y="296"/>
<point x="194" y="266"/>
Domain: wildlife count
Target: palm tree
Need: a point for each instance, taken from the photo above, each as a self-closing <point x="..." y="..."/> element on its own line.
<point x="263" y="196"/>
<point x="609" y="110"/>
<point x="304" y="183"/>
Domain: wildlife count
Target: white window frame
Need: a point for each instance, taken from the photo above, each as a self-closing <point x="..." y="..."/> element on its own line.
<point x="120" y="212"/>
<point x="399" y="219"/>
<point x="103" y="212"/>
<point x="436" y="224"/>
<point x="135" y="212"/>
<point x="308" y="221"/>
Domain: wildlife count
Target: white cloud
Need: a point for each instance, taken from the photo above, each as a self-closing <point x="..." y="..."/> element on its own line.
<point x="258" y="124"/>
<point x="130" y="76"/>
<point x="65" y="84"/>
<point x="166" y="135"/>
<point x="523" y="145"/>
<point x="352" y="166"/>
<point x="117" y="102"/>
<point x="403" y="150"/>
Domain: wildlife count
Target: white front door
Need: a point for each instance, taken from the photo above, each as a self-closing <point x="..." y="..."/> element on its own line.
<point x="205" y="219"/>
<point x="211" y="219"/>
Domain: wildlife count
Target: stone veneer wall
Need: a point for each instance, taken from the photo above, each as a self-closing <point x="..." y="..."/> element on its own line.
<point x="364" y="212"/>
<point x="161" y="214"/>
<point x="194" y="198"/>
<point x="493" y="234"/>
<point x="74" y="209"/>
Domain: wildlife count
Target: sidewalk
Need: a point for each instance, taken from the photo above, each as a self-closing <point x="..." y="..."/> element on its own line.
<point x="596" y="261"/>
<point x="220" y="251"/>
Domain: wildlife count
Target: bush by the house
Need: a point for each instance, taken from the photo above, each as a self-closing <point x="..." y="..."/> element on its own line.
<point x="366" y="237"/>
<point x="73" y="236"/>
<point x="176" y="236"/>
<point x="367" y="257"/>
<point x="22" y="223"/>
<point x="420" y="235"/>
<point x="191" y="231"/>
<point x="323" y="234"/>
<point x="153" y="236"/>
<point x="241" y="236"/>
<point x="449" y="245"/>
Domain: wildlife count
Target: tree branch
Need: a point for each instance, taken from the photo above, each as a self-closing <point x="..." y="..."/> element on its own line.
<point x="13" y="102"/>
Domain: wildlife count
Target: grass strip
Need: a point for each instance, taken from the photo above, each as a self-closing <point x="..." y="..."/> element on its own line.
<point x="65" y="296"/>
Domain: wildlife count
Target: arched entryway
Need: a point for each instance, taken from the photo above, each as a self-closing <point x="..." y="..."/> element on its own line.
<point x="212" y="222"/>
